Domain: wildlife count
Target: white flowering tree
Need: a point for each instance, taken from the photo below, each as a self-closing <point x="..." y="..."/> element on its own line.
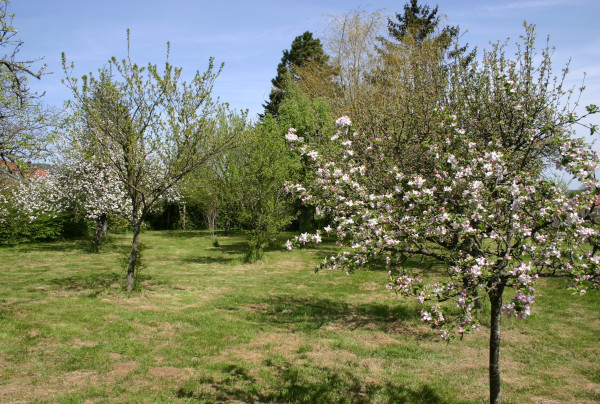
<point x="483" y="217"/>
<point x="88" y="184"/>
<point x="77" y="182"/>
<point x="29" y="209"/>
<point x="150" y="128"/>
<point x="35" y="196"/>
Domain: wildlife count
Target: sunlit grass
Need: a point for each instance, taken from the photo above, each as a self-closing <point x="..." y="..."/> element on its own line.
<point x="203" y="326"/>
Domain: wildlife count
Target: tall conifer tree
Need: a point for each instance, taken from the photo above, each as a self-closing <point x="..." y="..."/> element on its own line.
<point x="305" y="49"/>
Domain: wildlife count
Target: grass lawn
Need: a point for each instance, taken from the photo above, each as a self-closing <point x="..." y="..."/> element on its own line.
<point x="205" y="327"/>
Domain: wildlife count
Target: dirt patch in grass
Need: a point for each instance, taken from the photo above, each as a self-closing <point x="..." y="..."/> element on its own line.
<point x="265" y="344"/>
<point x="77" y="343"/>
<point x="388" y="326"/>
<point x="262" y="308"/>
<point x="114" y="356"/>
<point x="170" y="372"/>
<point x="377" y="339"/>
<point x="373" y="365"/>
<point x="157" y="332"/>
<point x="76" y="378"/>
<point x="353" y="322"/>
<point x="14" y="392"/>
<point x="34" y="333"/>
<point x="25" y="389"/>
<point x="333" y="358"/>
<point x="182" y="287"/>
<point x="370" y="286"/>
<point x="122" y="369"/>
<point x="291" y="346"/>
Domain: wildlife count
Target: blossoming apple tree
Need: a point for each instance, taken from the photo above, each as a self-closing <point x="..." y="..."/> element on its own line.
<point x="78" y="183"/>
<point x="30" y="199"/>
<point x="88" y="184"/>
<point x="483" y="218"/>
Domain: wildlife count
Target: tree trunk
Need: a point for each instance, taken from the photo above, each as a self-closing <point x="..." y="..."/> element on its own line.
<point x="133" y="256"/>
<point x="183" y="218"/>
<point x="169" y="216"/>
<point x="211" y="219"/>
<point x="306" y="220"/>
<point x="99" y="228"/>
<point x="105" y="228"/>
<point x="495" y="320"/>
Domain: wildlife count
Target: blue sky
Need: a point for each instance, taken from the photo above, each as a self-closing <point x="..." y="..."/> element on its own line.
<point x="249" y="36"/>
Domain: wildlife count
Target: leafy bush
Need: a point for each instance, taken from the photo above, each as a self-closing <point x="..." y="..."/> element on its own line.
<point x="16" y="229"/>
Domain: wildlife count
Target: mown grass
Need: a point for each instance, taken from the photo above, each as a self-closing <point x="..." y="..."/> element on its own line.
<point x="205" y="327"/>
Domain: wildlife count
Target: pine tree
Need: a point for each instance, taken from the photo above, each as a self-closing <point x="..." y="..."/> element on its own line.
<point x="421" y="23"/>
<point x="305" y="49"/>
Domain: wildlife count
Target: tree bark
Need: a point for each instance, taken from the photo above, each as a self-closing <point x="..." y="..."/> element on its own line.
<point x="133" y="257"/>
<point x="306" y="220"/>
<point x="98" y="233"/>
<point x="168" y="216"/>
<point x="105" y="228"/>
<point x="495" y="320"/>
<point x="211" y="219"/>
<point x="183" y="218"/>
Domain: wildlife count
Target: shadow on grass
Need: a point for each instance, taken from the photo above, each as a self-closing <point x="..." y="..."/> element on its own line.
<point x="208" y="259"/>
<point x="95" y="281"/>
<point x="182" y="234"/>
<point x="301" y="384"/>
<point x="308" y="314"/>
<point x="187" y="234"/>
<point x="223" y="254"/>
<point x="81" y="245"/>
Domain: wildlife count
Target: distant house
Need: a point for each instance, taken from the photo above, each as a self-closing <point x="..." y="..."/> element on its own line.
<point x="10" y="170"/>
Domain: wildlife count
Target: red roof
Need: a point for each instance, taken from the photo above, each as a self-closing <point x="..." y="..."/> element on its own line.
<point x="32" y="172"/>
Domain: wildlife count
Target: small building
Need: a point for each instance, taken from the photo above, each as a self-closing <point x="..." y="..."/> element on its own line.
<point x="10" y="170"/>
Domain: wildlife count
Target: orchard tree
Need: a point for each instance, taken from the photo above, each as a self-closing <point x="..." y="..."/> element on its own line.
<point x="30" y="209"/>
<point x="312" y="119"/>
<point x="248" y="184"/>
<point x="151" y="128"/>
<point x="78" y="183"/>
<point x="265" y="166"/>
<point x="215" y="188"/>
<point x="484" y="217"/>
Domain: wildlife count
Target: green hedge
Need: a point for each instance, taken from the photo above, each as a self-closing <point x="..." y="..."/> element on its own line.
<point x="18" y="229"/>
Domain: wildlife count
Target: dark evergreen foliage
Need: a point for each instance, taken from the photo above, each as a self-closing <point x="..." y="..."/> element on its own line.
<point x="305" y="48"/>
<point x="421" y="22"/>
